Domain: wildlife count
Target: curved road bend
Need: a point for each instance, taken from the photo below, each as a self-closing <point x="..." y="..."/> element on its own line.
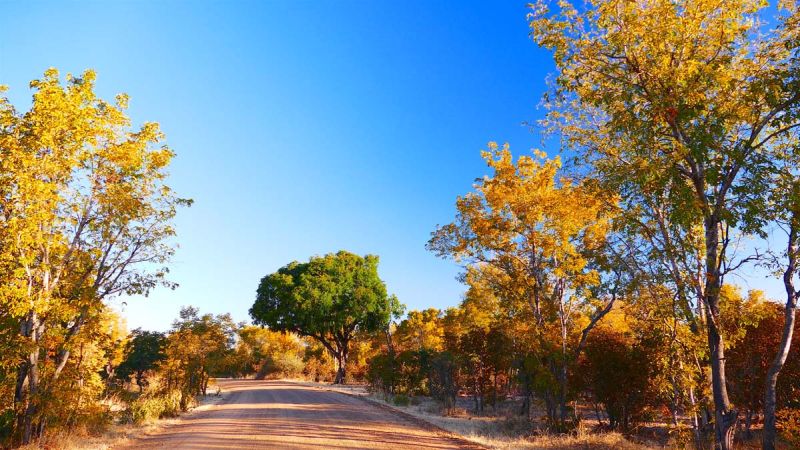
<point x="285" y="415"/>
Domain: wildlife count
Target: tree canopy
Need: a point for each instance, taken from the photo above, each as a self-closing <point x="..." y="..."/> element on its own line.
<point x="530" y="236"/>
<point x="329" y="298"/>
<point x="144" y="350"/>
<point x="85" y="214"/>
<point x="687" y="105"/>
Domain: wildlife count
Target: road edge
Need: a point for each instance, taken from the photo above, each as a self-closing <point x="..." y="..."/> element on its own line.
<point x="469" y="444"/>
<point x="120" y="436"/>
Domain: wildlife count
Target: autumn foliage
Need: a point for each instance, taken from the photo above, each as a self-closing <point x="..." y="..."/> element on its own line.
<point x="86" y="215"/>
<point x="600" y="282"/>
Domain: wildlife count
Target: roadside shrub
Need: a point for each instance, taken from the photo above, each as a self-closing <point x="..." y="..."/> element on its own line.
<point x="281" y="365"/>
<point x="415" y="372"/>
<point x="91" y="418"/>
<point x="149" y="407"/>
<point x="789" y="426"/>
<point x="401" y="400"/>
<point x="412" y="367"/>
<point x="361" y="353"/>
<point x="319" y="366"/>
<point x="616" y="372"/>
<point x="381" y="375"/>
<point x="289" y="365"/>
<point x="443" y="379"/>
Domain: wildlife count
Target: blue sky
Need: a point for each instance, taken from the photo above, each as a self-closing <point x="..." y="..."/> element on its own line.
<point x="301" y="127"/>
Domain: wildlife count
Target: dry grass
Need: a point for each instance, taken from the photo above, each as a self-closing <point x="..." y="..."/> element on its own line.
<point x="515" y="433"/>
<point x="600" y="441"/>
<point x="501" y="432"/>
<point x="116" y="434"/>
<point x="85" y="440"/>
<point x="497" y="432"/>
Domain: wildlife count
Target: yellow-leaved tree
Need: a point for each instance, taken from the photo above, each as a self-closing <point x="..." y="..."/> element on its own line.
<point x="544" y="234"/>
<point x="421" y="330"/>
<point x="84" y="215"/>
<point x="698" y="97"/>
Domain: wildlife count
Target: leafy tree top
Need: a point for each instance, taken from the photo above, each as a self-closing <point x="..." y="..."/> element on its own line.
<point x="144" y="350"/>
<point x="328" y="298"/>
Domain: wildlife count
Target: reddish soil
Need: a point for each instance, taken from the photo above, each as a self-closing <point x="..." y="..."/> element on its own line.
<point x="285" y="415"/>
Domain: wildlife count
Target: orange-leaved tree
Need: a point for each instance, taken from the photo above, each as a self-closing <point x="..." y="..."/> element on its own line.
<point x="542" y="233"/>
<point x="699" y="95"/>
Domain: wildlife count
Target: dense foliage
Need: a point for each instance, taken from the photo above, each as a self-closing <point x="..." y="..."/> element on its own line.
<point x="598" y="287"/>
<point x="330" y="299"/>
<point x="84" y="215"/>
<point x="688" y="111"/>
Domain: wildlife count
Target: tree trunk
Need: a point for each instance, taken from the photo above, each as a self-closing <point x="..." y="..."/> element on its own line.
<point x="341" y="362"/>
<point x="477" y="393"/>
<point x="725" y="417"/>
<point x="390" y="349"/>
<point x="562" y="371"/>
<point x="748" y="423"/>
<point x="525" y="410"/>
<point x="28" y="375"/>
<point x="494" y="393"/>
<point x="770" y="400"/>
<point x="552" y="408"/>
<point x="695" y="420"/>
<point x="31" y="408"/>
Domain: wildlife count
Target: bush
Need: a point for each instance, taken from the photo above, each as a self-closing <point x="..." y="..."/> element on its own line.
<point x="381" y="375"/>
<point x="92" y="418"/>
<point x="290" y="365"/>
<point x="616" y="371"/>
<point x="401" y="400"/>
<point x="412" y="367"/>
<point x="6" y="425"/>
<point x="281" y="365"/>
<point x="789" y="426"/>
<point x="408" y="373"/>
<point x="152" y="406"/>
<point x="443" y="382"/>
<point x="318" y="364"/>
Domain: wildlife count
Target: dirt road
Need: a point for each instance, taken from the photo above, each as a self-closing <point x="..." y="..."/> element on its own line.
<point x="285" y="415"/>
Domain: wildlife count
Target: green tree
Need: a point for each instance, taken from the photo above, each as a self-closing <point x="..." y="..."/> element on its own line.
<point x="329" y="298"/>
<point x="144" y="351"/>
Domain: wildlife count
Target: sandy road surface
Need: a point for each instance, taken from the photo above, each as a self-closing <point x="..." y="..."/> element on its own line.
<point x="285" y="415"/>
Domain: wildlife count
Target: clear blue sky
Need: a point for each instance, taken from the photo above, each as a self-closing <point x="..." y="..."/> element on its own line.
<point x="301" y="127"/>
